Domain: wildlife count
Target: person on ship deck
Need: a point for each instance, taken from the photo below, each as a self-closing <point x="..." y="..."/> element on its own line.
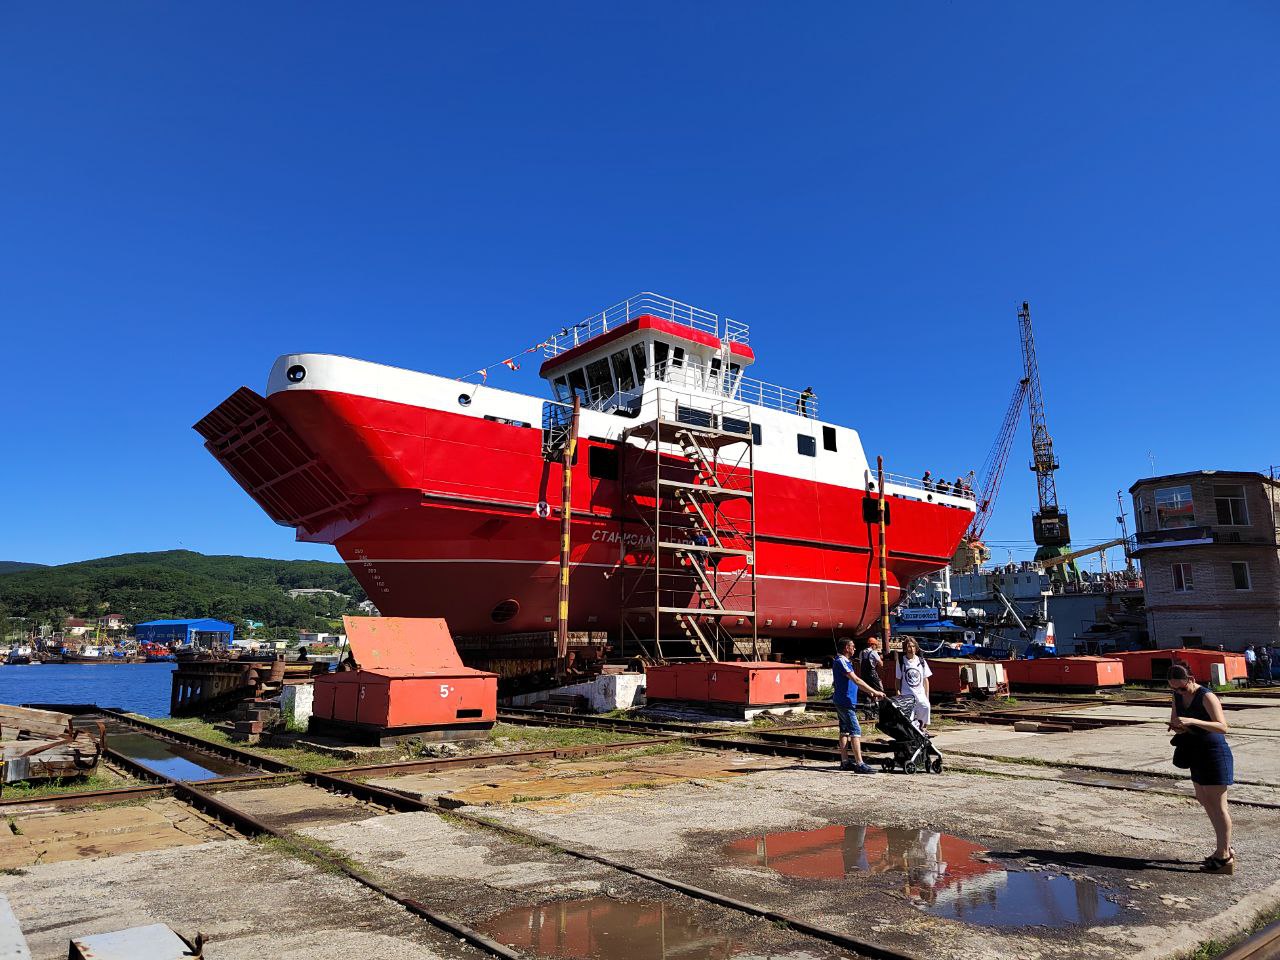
<point x="802" y="405"/>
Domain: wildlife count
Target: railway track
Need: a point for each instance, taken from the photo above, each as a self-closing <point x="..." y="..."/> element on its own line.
<point x="339" y="781"/>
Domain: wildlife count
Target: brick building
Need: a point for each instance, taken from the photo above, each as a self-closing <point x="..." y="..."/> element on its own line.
<point x="1210" y="554"/>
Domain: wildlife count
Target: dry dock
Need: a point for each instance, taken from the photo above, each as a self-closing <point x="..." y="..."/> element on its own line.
<point x="728" y="840"/>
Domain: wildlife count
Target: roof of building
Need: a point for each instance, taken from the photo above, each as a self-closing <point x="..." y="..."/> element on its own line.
<point x="202" y="621"/>
<point x="1190" y="474"/>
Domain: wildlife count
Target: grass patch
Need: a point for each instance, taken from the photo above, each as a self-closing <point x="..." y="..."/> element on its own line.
<point x="506" y="737"/>
<point x="1212" y="949"/>
<point x="319" y="854"/>
<point x="824" y="693"/>
<point x="38" y="789"/>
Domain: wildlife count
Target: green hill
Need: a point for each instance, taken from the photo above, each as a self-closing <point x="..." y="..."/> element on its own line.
<point x="179" y="584"/>
<point x="13" y="566"/>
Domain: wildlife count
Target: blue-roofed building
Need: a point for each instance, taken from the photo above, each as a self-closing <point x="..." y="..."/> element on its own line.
<point x="205" y="632"/>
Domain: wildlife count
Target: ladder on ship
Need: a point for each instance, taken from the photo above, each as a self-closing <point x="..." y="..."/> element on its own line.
<point x="690" y="481"/>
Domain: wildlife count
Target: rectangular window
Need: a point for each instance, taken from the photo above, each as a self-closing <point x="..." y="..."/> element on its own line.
<point x="599" y="379"/>
<point x="1182" y="579"/>
<point x="677" y="357"/>
<point x="733" y="425"/>
<point x="661" y="351"/>
<point x="638" y="359"/>
<point x="756" y="436"/>
<point x="806" y="446"/>
<point x="1240" y="575"/>
<point x="578" y="381"/>
<point x="1173" y="508"/>
<point x="1229" y="501"/>
<point x="829" y="438"/>
<point x="561" y="386"/>
<point x="622" y="370"/>
<point x="602" y="463"/>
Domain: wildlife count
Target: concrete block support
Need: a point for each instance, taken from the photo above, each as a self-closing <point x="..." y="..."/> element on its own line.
<point x="610" y="691"/>
<point x="296" y="701"/>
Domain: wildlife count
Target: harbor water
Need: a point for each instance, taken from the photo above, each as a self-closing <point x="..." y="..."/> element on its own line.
<point x="137" y="687"/>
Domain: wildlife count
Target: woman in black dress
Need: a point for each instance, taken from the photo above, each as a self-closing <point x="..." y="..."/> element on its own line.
<point x="1197" y="713"/>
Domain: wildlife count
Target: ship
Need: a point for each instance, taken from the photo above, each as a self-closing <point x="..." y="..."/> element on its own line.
<point x="711" y="513"/>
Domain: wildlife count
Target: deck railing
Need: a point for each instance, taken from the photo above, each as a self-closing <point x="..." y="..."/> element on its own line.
<point x="915" y="483"/>
<point x="738" y="387"/>
<point x="646" y="304"/>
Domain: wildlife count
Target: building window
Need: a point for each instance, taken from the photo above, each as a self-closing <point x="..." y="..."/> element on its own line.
<point x="1230" y="503"/>
<point x="1173" y="508"/>
<point x="1240" y="575"/>
<point x="1182" y="579"/>
<point x="829" y="438"/>
<point x="806" y="445"/>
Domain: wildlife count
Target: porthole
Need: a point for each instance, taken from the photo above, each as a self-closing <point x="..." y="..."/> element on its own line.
<point x="464" y="399"/>
<point x="504" y="611"/>
<point x="296" y="374"/>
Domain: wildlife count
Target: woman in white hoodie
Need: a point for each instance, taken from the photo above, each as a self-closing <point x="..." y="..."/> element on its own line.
<point x="913" y="679"/>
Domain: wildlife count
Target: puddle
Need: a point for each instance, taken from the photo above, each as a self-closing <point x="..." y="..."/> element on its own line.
<point x="600" y="928"/>
<point x="942" y="874"/>
<point x="1018" y="899"/>
<point x="172" y="759"/>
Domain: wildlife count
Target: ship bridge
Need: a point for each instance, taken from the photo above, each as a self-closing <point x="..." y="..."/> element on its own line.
<point x="609" y="359"/>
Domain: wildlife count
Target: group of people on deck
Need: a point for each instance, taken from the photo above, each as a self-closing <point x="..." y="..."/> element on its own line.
<point x="1196" y="719"/>
<point x="963" y="486"/>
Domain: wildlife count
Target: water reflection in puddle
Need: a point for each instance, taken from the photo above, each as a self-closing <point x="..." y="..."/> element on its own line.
<point x="940" y="873"/>
<point x="171" y="759"/>
<point x="600" y="928"/>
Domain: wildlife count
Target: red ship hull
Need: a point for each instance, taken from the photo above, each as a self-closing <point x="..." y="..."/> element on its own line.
<point x="437" y="514"/>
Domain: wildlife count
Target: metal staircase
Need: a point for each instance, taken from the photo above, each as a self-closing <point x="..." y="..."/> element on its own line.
<point x="689" y="479"/>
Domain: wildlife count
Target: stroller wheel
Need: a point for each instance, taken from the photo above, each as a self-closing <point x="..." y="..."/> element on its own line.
<point x="935" y="765"/>
<point x="911" y="767"/>
<point x="886" y="766"/>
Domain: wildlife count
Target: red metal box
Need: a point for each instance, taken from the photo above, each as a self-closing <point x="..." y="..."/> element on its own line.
<point x="756" y="683"/>
<point x="1086" y="673"/>
<point x="408" y="674"/>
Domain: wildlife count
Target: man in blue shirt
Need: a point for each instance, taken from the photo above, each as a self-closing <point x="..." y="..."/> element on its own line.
<point x="844" y="697"/>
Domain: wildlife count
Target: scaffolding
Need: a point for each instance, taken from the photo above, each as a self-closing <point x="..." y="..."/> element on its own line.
<point x="689" y="479"/>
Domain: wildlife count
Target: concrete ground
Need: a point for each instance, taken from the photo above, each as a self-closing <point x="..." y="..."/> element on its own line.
<point x="914" y="863"/>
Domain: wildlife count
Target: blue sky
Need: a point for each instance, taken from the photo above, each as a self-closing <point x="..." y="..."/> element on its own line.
<point x="190" y="190"/>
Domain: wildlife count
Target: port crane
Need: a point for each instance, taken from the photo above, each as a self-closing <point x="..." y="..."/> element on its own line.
<point x="973" y="552"/>
<point x="1049" y="526"/>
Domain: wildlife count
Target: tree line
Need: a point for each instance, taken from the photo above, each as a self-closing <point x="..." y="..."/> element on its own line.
<point x="181" y="584"/>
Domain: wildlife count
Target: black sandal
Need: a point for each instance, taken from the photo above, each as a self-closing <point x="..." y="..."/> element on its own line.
<point x="1214" y="865"/>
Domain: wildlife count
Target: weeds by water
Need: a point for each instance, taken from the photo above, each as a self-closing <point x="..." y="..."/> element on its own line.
<point x="39" y="789"/>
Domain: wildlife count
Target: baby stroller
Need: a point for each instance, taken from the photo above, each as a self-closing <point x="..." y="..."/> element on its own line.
<point x="912" y="750"/>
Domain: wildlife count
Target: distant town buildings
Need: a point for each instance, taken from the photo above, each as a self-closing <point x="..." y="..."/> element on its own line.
<point x="308" y="639"/>
<point x="1210" y="553"/>
<point x="311" y="592"/>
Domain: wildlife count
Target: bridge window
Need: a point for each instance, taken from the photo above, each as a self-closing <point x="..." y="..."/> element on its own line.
<point x="637" y="357"/>
<point x="578" y="382"/>
<point x="622" y="370"/>
<point x="829" y="438"/>
<point x="599" y="380"/>
<point x="661" y="353"/>
<point x="806" y="446"/>
<point x="561" y="387"/>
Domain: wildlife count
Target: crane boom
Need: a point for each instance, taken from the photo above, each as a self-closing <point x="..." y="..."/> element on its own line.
<point x="1088" y="551"/>
<point x="988" y="488"/>
<point x="1049" y="523"/>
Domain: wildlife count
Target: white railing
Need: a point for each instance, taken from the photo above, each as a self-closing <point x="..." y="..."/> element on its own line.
<point x="734" y="385"/>
<point x="915" y="483"/>
<point x="645" y="304"/>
